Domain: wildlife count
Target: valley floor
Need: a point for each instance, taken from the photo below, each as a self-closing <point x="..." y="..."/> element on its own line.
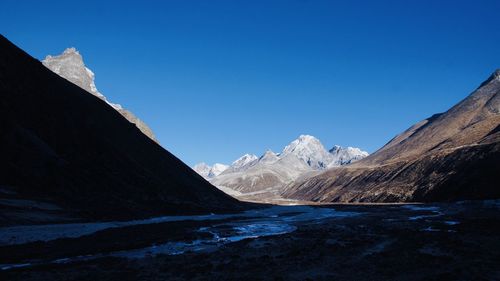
<point x="456" y="241"/>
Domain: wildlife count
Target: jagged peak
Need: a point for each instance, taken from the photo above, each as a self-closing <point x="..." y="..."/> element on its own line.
<point x="306" y="139"/>
<point x="70" y="66"/>
<point x="68" y="52"/>
<point x="269" y="155"/>
<point x="301" y="142"/>
<point x="269" y="152"/>
<point x="245" y="159"/>
<point x="247" y="155"/>
<point x="335" y="148"/>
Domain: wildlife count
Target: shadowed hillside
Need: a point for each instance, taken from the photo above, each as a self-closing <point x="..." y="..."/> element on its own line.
<point x="70" y="150"/>
<point x="450" y="156"/>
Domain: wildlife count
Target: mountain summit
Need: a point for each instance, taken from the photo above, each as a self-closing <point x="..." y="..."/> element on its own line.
<point x="71" y="67"/>
<point x="310" y="150"/>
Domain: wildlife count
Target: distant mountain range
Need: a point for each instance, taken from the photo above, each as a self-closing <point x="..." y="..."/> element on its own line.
<point x="70" y="155"/>
<point x="271" y="171"/>
<point x="70" y="66"/>
<point x="453" y="155"/>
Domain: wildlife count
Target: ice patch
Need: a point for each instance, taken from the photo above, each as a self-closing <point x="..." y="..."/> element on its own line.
<point x="420" y="208"/>
<point x="435" y="211"/>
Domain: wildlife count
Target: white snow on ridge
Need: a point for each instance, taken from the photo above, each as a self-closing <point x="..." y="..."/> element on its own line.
<point x="343" y="156"/>
<point x="244" y="160"/>
<point x="310" y="150"/>
<point x="305" y="154"/>
<point x="269" y="157"/>
<point x="209" y="172"/>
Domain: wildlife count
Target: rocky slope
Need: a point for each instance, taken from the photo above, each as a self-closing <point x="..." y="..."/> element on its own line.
<point x="70" y="66"/>
<point x="305" y="155"/>
<point x="450" y="156"/>
<point x="78" y="155"/>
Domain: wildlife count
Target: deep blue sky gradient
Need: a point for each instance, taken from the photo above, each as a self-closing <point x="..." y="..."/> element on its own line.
<point x="216" y="79"/>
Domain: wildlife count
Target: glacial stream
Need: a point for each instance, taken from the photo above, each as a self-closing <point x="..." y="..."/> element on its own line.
<point x="216" y="230"/>
<point x="256" y="223"/>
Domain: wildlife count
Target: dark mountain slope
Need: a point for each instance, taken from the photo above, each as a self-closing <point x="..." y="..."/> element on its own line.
<point x="450" y="156"/>
<point x="62" y="145"/>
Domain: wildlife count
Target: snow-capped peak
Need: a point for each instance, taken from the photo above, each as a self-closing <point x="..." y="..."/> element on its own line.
<point x="269" y="157"/>
<point x="344" y="156"/>
<point x="304" y="154"/>
<point x="217" y="168"/>
<point x="310" y="150"/>
<point x="209" y="172"/>
<point x="244" y="160"/>
<point x="202" y="168"/>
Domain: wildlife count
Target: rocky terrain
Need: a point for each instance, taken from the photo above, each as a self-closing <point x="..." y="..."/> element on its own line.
<point x="447" y="241"/>
<point x="70" y="66"/>
<point x="262" y="178"/>
<point x="68" y="155"/>
<point x="450" y="156"/>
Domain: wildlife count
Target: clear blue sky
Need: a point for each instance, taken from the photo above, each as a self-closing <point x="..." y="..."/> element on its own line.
<point x="216" y="79"/>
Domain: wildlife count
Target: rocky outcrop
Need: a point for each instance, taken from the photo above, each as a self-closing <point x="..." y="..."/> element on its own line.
<point x="71" y="67"/>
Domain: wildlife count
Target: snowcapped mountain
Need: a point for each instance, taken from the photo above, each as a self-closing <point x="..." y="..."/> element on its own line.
<point x="244" y="160"/>
<point x="209" y="172"/>
<point x="310" y="150"/>
<point x="269" y="157"/>
<point x="343" y="156"/>
<point x="306" y="154"/>
<point x="242" y="163"/>
<point x="71" y="67"/>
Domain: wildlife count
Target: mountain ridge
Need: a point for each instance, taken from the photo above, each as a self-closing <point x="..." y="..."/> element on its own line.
<point x="271" y="171"/>
<point x="448" y="156"/>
